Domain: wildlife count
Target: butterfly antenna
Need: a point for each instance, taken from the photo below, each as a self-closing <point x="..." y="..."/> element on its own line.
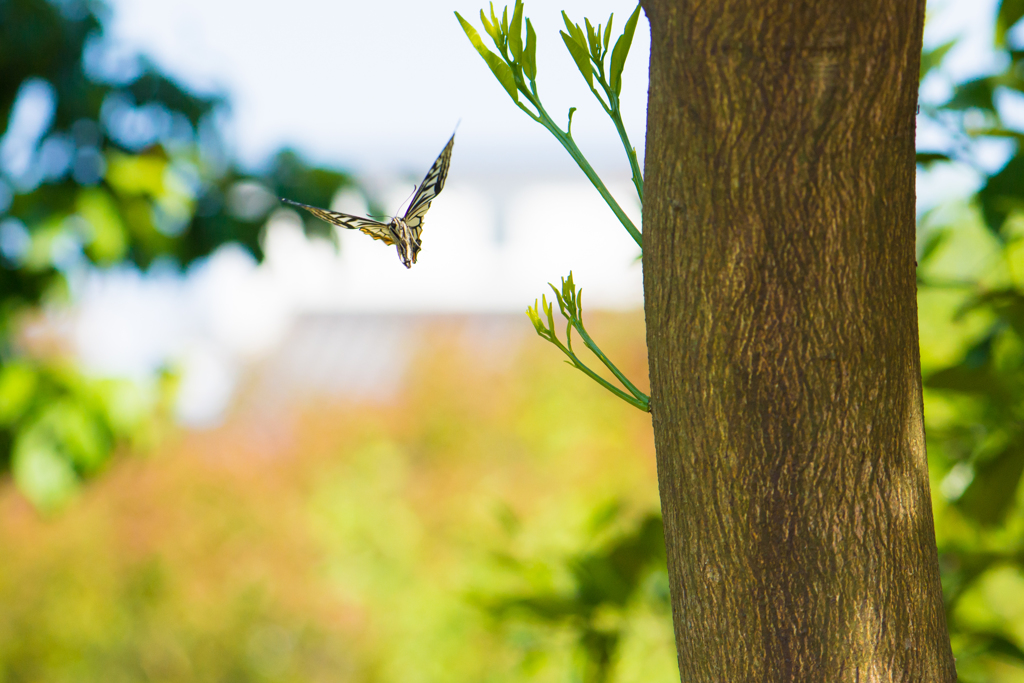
<point x="414" y="188"/>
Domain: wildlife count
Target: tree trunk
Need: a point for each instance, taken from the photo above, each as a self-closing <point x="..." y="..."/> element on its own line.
<point x="779" y="276"/>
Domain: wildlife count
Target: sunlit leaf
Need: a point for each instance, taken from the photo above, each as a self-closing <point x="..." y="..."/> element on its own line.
<point x="49" y="238"/>
<point x="108" y="240"/>
<point x="491" y="29"/>
<point x="127" y="404"/>
<point x="77" y="432"/>
<point x="593" y="40"/>
<point x="534" y="316"/>
<point x="18" y="382"/>
<point x="41" y="470"/>
<point x="134" y="174"/>
<point x="530" y="53"/>
<point x="621" y="51"/>
<point x="515" y="32"/>
<point x="580" y="56"/>
<point x="497" y="65"/>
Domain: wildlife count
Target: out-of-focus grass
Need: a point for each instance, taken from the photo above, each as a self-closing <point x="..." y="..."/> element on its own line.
<point x="346" y="541"/>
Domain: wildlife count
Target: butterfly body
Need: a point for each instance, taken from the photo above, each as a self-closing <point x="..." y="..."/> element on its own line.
<point x="407" y="241"/>
<point x="402" y="231"/>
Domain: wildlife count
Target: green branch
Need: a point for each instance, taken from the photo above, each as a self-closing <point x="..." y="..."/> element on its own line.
<point x="589" y="55"/>
<point x="570" y="304"/>
<point x="515" y="68"/>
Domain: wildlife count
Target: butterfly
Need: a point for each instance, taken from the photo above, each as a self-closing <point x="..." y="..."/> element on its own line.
<point x="402" y="232"/>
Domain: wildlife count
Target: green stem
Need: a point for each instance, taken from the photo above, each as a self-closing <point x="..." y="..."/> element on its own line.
<point x="543" y="118"/>
<point x="638" y="399"/>
<point x="634" y="163"/>
<point x="581" y="161"/>
<point x="641" y="396"/>
<point x="613" y="111"/>
<point x="641" y="403"/>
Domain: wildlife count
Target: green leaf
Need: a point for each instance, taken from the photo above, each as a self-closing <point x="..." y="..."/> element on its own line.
<point x="594" y="40"/>
<point x="497" y="65"/>
<point x="976" y="94"/>
<point x="994" y="488"/>
<point x="504" y="21"/>
<point x="136" y="174"/>
<point x="496" y="23"/>
<point x="530" y="54"/>
<point x="18" y="382"/>
<point x="39" y="256"/>
<point x="1010" y="12"/>
<point x="1001" y="645"/>
<point x="41" y="471"/>
<point x="492" y="29"/>
<point x="109" y="238"/>
<point x="580" y="56"/>
<point x="1003" y="194"/>
<point x="608" y="31"/>
<point x="929" y="158"/>
<point x="534" y="316"/>
<point x="621" y="51"/>
<point x="569" y="26"/>
<point x="515" y="32"/>
<point x="568" y="130"/>
<point x="962" y="379"/>
<point x="930" y="59"/>
<point x="934" y="240"/>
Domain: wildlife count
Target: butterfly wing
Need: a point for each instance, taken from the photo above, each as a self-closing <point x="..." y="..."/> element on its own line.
<point x="375" y="229"/>
<point x="428" y="189"/>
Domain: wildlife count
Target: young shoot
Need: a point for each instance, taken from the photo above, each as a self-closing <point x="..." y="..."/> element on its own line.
<point x="570" y="304"/>
<point x="515" y="67"/>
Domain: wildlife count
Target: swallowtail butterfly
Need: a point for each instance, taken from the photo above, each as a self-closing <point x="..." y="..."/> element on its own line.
<point x="402" y="232"/>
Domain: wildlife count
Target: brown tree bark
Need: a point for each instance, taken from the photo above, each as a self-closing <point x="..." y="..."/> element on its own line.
<point x="779" y="274"/>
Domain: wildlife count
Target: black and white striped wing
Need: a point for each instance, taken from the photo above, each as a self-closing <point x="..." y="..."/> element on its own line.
<point x="428" y="189"/>
<point x="375" y="229"/>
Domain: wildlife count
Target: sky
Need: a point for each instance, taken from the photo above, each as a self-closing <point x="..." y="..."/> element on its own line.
<point x="376" y="88"/>
<point x="380" y="84"/>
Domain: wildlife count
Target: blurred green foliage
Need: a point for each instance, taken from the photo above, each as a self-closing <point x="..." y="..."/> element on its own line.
<point x="490" y="523"/>
<point x="103" y="160"/>
<point x="621" y="564"/>
<point x="971" y="301"/>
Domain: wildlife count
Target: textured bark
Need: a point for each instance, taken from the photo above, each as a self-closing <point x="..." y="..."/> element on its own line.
<point x="782" y="331"/>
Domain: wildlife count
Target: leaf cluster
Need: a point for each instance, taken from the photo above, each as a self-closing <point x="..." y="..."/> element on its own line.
<point x="570" y="304"/>
<point x="514" y="65"/>
<point x="625" y="566"/>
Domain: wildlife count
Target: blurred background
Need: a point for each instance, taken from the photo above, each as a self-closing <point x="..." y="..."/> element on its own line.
<point x="238" y="445"/>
